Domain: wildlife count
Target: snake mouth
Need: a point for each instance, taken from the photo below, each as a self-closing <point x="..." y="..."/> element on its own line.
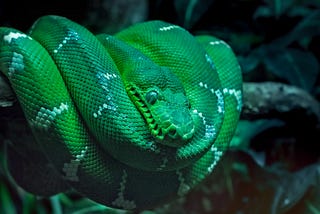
<point x="173" y="132"/>
<point x="169" y="124"/>
<point x="143" y="108"/>
<point x="177" y="127"/>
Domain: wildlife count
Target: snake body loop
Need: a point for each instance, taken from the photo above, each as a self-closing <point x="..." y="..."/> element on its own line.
<point x="128" y="120"/>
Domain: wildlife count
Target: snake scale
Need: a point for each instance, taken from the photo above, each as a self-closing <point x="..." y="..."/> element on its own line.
<point x="130" y="120"/>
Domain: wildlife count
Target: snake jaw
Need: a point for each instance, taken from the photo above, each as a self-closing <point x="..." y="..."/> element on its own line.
<point x="178" y="131"/>
<point x="166" y="113"/>
<point x="140" y="103"/>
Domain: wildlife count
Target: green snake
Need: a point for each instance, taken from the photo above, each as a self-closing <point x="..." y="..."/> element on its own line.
<point x="130" y="120"/>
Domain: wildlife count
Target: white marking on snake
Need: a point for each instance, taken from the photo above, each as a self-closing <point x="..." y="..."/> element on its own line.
<point x="45" y="117"/>
<point x="70" y="35"/>
<point x="183" y="187"/>
<point x="210" y="61"/>
<point x="105" y="106"/>
<point x="216" y="157"/>
<point x="121" y="201"/>
<point x="219" y="43"/>
<point x="237" y="94"/>
<point x="210" y="130"/>
<point x="168" y="28"/>
<point x="16" y="64"/>
<point x="218" y="94"/>
<point x="105" y="77"/>
<point x="71" y="168"/>
<point x="15" y="35"/>
<point x="110" y="76"/>
<point x="109" y="105"/>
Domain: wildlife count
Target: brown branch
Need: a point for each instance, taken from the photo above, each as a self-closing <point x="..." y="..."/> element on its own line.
<point x="260" y="100"/>
<point x="277" y="100"/>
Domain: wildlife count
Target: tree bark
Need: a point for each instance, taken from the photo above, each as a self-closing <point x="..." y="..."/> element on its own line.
<point x="260" y="100"/>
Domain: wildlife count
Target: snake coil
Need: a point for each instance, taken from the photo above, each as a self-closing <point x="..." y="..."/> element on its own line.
<point x="128" y="120"/>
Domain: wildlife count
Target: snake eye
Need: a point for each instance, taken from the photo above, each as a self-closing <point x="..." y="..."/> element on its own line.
<point x="152" y="97"/>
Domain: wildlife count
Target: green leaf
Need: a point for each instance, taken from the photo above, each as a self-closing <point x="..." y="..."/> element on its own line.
<point x="251" y="62"/>
<point x="246" y="130"/>
<point x="7" y="205"/>
<point x="262" y="12"/>
<point x="300" y="11"/>
<point x="278" y="7"/>
<point x="312" y="208"/>
<point x="306" y="28"/>
<point x="274" y="8"/>
<point x="298" y="67"/>
<point x="191" y="11"/>
<point x="84" y="205"/>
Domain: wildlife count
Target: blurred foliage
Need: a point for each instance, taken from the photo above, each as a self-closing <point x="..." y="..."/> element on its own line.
<point x="274" y="40"/>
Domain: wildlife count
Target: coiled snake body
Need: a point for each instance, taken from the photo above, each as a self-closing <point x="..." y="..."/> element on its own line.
<point x="128" y="120"/>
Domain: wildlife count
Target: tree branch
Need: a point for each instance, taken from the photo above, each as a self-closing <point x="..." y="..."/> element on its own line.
<point x="260" y="100"/>
<point x="278" y="100"/>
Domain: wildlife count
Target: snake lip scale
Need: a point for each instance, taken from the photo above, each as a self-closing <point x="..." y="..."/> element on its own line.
<point x="129" y="120"/>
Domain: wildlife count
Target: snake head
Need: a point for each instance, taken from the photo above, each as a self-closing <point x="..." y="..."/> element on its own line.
<point x="161" y="99"/>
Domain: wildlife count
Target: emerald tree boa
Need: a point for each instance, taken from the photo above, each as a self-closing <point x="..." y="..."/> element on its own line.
<point x="129" y="120"/>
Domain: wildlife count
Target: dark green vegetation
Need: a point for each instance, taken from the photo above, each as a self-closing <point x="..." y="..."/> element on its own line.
<point x="273" y="163"/>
